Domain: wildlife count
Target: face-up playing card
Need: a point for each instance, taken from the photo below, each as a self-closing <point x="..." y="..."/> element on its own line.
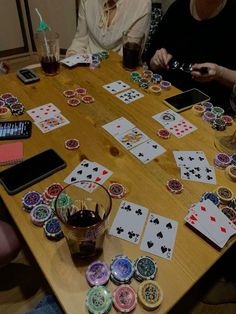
<point x="52" y="122"/>
<point x="118" y="126"/>
<point x="199" y="174"/>
<point x="116" y="87"/>
<point x="159" y="236"/>
<point x="129" y="96"/>
<point x="190" y="158"/>
<point x="147" y="151"/>
<point x="42" y="112"/>
<point x="77" y="59"/>
<point x="129" y="221"/>
<point x="181" y="128"/>
<point x="132" y="138"/>
<point x="167" y="117"/>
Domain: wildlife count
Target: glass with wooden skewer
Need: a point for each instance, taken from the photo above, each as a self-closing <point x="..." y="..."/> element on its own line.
<point x="83" y="216"/>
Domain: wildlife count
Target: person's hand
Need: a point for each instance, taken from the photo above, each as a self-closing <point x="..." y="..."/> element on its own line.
<point x="161" y="59"/>
<point x="205" y="72"/>
<point x="71" y="53"/>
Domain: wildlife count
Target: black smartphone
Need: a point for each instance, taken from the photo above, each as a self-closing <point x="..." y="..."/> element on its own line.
<point x="186" y="100"/>
<point x="10" y="130"/>
<point x="30" y="171"/>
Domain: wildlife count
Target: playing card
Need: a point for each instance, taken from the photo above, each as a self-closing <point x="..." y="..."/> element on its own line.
<point x="159" y="236"/>
<point x="147" y="151"/>
<point x="77" y="59"/>
<point x="116" y="87"/>
<point x="129" y="221"/>
<point x="52" y="122"/>
<point x="167" y="117"/>
<point x="129" y="96"/>
<point x="199" y="174"/>
<point x="190" y="158"/>
<point x="181" y="128"/>
<point x="42" y="112"/>
<point x="118" y="126"/>
<point x="132" y="138"/>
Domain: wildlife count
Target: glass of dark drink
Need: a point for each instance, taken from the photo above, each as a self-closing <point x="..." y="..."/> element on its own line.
<point x="83" y="216"/>
<point x="132" y="49"/>
<point x="47" y="44"/>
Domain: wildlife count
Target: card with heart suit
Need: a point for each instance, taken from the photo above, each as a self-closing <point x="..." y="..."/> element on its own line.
<point x="199" y="174"/>
<point x="147" y="151"/>
<point x="129" y="96"/>
<point x="42" y="112"/>
<point x="116" y="87"/>
<point x="132" y="138"/>
<point x="181" y="128"/>
<point x="190" y="158"/>
<point x="77" y="59"/>
<point x="167" y="117"/>
<point x="118" y="126"/>
<point x="129" y="221"/>
<point x="52" y="122"/>
<point x="159" y="236"/>
<point x="88" y="170"/>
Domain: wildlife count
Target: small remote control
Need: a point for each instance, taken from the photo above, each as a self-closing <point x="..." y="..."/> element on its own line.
<point x="27" y="76"/>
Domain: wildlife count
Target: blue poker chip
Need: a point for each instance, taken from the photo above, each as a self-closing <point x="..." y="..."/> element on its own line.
<point x="31" y="199"/>
<point x="233" y="159"/>
<point x="40" y="214"/>
<point x="122" y="269"/>
<point x="52" y="229"/>
<point x="212" y="197"/>
<point x="145" y="268"/>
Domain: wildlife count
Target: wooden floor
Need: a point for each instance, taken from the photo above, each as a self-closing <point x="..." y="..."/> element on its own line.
<point x="22" y="284"/>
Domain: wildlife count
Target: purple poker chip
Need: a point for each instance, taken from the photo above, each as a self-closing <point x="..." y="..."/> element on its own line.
<point x="222" y="160"/>
<point x="11" y="100"/>
<point x="98" y="273"/>
<point x="165" y="85"/>
<point x="6" y="96"/>
<point x="52" y="229"/>
<point x="31" y="199"/>
<point x="208" y="116"/>
<point x="40" y="214"/>
<point x="2" y="103"/>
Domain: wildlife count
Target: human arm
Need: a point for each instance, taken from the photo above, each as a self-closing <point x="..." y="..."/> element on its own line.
<point x="160" y="60"/>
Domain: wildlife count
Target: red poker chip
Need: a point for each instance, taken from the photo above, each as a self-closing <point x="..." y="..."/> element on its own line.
<point x="163" y="133"/>
<point x="53" y="190"/>
<point x="4" y="110"/>
<point x="81" y="91"/>
<point x="174" y="186"/>
<point x="73" y="102"/>
<point x="124" y="298"/>
<point x="116" y="190"/>
<point x="227" y="119"/>
<point x="6" y="96"/>
<point x="69" y="93"/>
<point x="72" y="144"/>
<point x="87" y="99"/>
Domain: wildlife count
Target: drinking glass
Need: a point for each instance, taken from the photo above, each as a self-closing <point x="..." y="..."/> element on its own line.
<point x="132" y="49"/>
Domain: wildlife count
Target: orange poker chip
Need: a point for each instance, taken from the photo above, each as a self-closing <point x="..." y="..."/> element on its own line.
<point x="163" y="133"/>
<point x="81" y="91"/>
<point x="69" y="93"/>
<point x="87" y="99"/>
<point x="174" y="186"/>
<point x="72" y="144"/>
<point x="73" y="102"/>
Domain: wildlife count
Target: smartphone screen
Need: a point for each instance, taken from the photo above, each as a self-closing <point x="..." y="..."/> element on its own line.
<point x="186" y="100"/>
<point x="30" y="171"/>
<point x="10" y="130"/>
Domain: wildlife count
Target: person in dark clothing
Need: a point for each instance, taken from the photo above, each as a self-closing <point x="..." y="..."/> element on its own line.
<point x="193" y="47"/>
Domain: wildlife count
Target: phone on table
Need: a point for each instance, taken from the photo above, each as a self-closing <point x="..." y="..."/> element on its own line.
<point x="27" y="76"/>
<point x="186" y="100"/>
<point x="10" y="130"/>
<point x="30" y="171"/>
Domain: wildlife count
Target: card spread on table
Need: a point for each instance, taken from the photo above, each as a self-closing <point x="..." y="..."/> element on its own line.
<point x="199" y="174"/>
<point x="118" y="126"/>
<point x="129" y="222"/>
<point x="147" y="151"/>
<point x="129" y="96"/>
<point x="89" y="171"/>
<point x="42" y="112"/>
<point x="85" y="58"/>
<point x="190" y="158"/>
<point x="159" y="236"/>
<point x="208" y="219"/>
<point x="116" y="87"/>
<point x="132" y="138"/>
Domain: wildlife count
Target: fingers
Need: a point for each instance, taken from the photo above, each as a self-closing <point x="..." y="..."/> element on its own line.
<point x="161" y="58"/>
<point x="204" y="72"/>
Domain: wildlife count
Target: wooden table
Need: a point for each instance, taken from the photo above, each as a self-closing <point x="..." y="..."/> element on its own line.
<point x="146" y="184"/>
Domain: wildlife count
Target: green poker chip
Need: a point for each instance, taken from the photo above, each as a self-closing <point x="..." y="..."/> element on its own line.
<point x="63" y="200"/>
<point x="145" y="268"/>
<point x="99" y="300"/>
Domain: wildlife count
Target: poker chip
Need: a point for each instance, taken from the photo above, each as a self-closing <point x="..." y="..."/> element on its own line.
<point x="63" y="201"/>
<point x="227" y="119"/>
<point x="116" y="190"/>
<point x="145" y="268"/>
<point x="98" y="273"/>
<point x="69" y="93"/>
<point x="222" y="160"/>
<point x="40" y="214"/>
<point x="213" y="197"/>
<point x="233" y="159"/>
<point x="17" y="109"/>
<point x="232" y="203"/>
<point x="53" y="190"/>
<point x="208" y="105"/>
<point x="5" y="96"/>
<point x="87" y="99"/>
<point x="231" y="172"/>
<point x="225" y="194"/>
<point x="218" y="111"/>
<point x="11" y="100"/>
<point x="98" y="300"/>
<point x="156" y="78"/>
<point x="150" y="295"/>
<point x="52" y="229"/>
<point x="155" y="89"/>
<point x="31" y="199"/>
<point x="208" y="116"/>
<point x="94" y="64"/>
<point x="135" y="76"/>
<point x="104" y="54"/>
<point x="124" y="299"/>
<point x="163" y="133"/>
<point x="198" y="110"/>
<point x="165" y="85"/>
<point x="174" y="186"/>
<point x="73" y="102"/>
<point x="81" y="91"/>
<point x="122" y="270"/>
<point x="147" y="74"/>
<point x="144" y="83"/>
<point x="5" y="113"/>
<point x="229" y="213"/>
<point x="72" y="144"/>
<point x="218" y="124"/>
<point x="2" y="103"/>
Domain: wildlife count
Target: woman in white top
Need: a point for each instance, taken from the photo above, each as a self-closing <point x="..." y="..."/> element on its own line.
<point x="102" y="22"/>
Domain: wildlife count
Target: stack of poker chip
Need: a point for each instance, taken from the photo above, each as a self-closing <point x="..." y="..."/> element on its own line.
<point x="144" y="83"/>
<point x="230" y="213"/>
<point x="5" y="113"/>
<point x="124" y="299"/>
<point x="17" y="109"/>
<point x="135" y="76"/>
<point x="208" y="105"/>
<point x="117" y="190"/>
<point x="208" y="116"/>
<point x="145" y="268"/>
<point x="147" y="78"/>
<point x="218" y="111"/>
<point x="212" y="197"/>
<point x="31" y="199"/>
<point x="227" y="119"/>
<point x="174" y="186"/>
<point x="219" y="124"/>
<point x="98" y="273"/>
<point x="104" y="54"/>
<point x="225" y="194"/>
<point x="13" y="104"/>
<point x="150" y="295"/>
<point x="165" y="85"/>
<point x="99" y="300"/>
<point x="198" y="110"/>
<point x="156" y="78"/>
<point x="40" y="214"/>
<point x="52" y="229"/>
<point x="222" y="160"/>
<point x="122" y="270"/>
<point x="50" y="194"/>
<point x="233" y="159"/>
<point x="230" y="172"/>
<point x="232" y="203"/>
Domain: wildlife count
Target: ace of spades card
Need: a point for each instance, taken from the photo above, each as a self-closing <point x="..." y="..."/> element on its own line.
<point x="129" y="221"/>
<point x="159" y="236"/>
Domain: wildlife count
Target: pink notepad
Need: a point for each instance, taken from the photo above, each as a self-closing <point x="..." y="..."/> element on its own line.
<point x="11" y="153"/>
